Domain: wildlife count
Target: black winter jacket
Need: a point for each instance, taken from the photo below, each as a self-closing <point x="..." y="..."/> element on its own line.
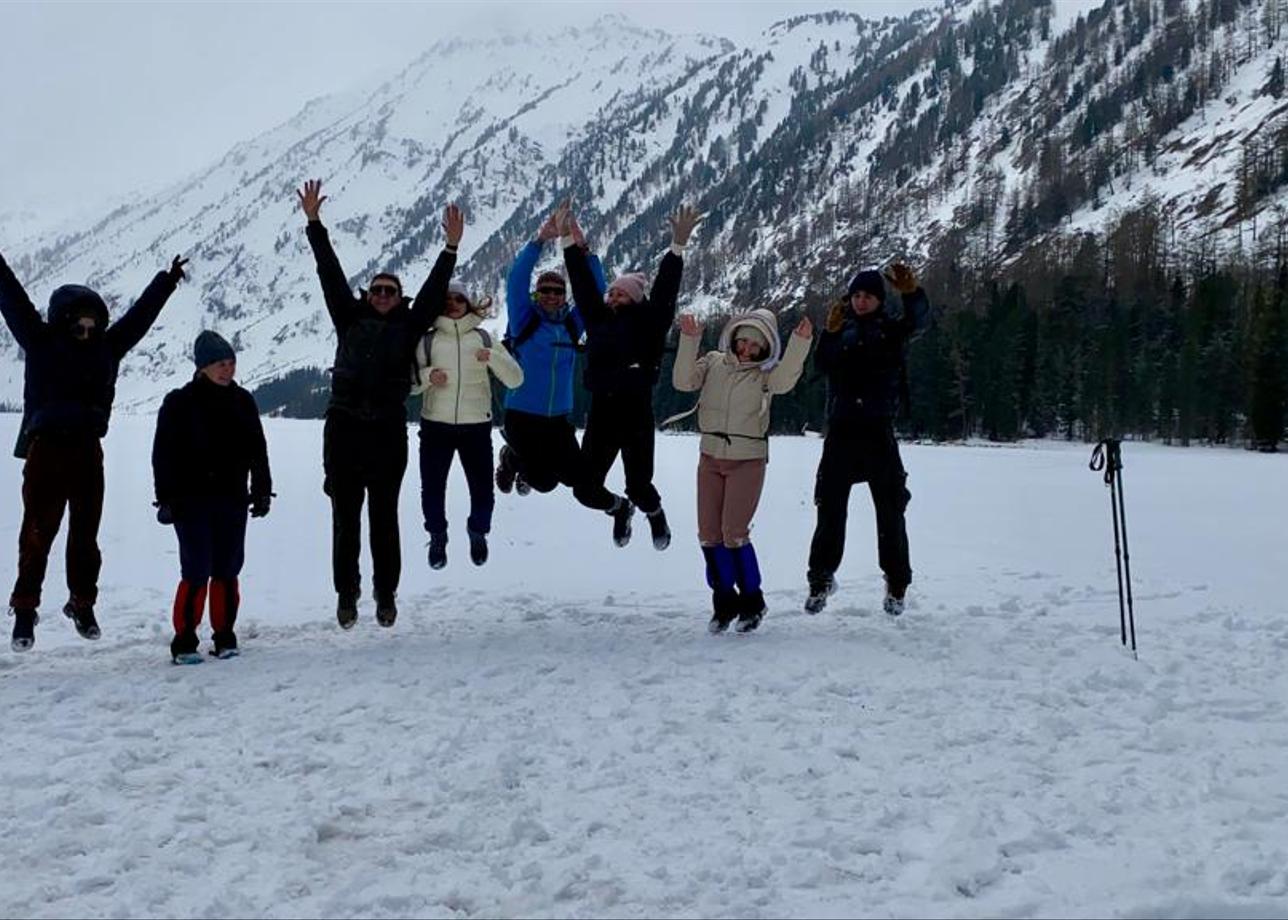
<point x="371" y="378"/>
<point x="864" y="360"/>
<point x="624" y="346"/>
<point x="208" y="442"/>
<point x="69" y="384"/>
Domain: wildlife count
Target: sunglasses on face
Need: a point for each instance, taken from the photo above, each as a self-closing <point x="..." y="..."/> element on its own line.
<point x="551" y="291"/>
<point x="384" y="290"/>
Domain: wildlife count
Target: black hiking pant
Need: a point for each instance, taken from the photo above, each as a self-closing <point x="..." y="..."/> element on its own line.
<point x="622" y="425"/>
<point x="852" y="454"/>
<point x="548" y="455"/>
<point x="364" y="462"/>
<point x="62" y="473"/>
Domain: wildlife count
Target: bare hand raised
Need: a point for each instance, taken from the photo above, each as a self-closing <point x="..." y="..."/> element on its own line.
<point x="805" y="328"/>
<point x="563" y="218"/>
<point x="548" y="230"/>
<point x="311" y="198"/>
<point x="689" y="325"/>
<point x="578" y="236"/>
<point x="453" y="224"/>
<point x="683" y="221"/>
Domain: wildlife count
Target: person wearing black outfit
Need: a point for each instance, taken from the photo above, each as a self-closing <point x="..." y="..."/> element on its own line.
<point x="625" y="336"/>
<point x="208" y="443"/>
<point x="364" y="452"/>
<point x="862" y="353"/>
<point x="72" y="360"/>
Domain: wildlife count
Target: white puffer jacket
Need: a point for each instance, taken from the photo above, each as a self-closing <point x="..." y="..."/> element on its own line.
<point x="467" y="397"/>
<point x="733" y="407"/>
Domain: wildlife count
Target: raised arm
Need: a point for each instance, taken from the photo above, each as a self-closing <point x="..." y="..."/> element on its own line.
<point x="335" y="284"/>
<point x="586" y="293"/>
<point x="19" y="312"/>
<point x="829" y="343"/>
<point x="788" y="371"/>
<point x="665" y="293"/>
<point x="127" y="331"/>
<point x="916" y="306"/>
<point x="518" y="286"/>
<point x="432" y="297"/>
<point x="689" y="373"/>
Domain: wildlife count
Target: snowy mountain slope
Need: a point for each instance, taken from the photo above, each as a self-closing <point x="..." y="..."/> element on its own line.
<point x="975" y="130"/>
<point x="555" y="734"/>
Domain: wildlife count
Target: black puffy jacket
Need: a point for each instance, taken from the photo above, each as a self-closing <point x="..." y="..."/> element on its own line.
<point x="209" y="442"/>
<point x="371" y="378"/>
<point x="69" y="383"/>
<point x="864" y="361"/>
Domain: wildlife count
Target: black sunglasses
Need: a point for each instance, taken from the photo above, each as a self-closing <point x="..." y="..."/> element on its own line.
<point x="388" y="290"/>
<point x="550" y="289"/>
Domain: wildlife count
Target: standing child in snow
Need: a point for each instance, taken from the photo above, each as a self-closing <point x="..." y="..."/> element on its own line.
<point x="452" y="364"/>
<point x="862" y="353"/>
<point x="209" y="442"/>
<point x="737" y="380"/>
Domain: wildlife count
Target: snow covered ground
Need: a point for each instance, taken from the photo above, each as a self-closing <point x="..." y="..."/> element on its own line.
<point x="556" y="735"/>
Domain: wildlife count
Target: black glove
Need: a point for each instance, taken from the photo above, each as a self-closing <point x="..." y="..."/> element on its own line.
<point x="165" y="513"/>
<point x="259" y="505"/>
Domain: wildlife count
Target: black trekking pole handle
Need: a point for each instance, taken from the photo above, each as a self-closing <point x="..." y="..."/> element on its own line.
<point x="1107" y="456"/>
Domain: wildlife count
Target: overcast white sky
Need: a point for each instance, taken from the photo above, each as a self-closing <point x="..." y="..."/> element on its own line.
<point x="101" y="99"/>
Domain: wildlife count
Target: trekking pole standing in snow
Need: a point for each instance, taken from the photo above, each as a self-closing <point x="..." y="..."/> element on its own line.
<point x="1107" y="456"/>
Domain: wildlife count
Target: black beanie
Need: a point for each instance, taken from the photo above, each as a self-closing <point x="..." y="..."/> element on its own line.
<point x="209" y="348"/>
<point x="869" y="281"/>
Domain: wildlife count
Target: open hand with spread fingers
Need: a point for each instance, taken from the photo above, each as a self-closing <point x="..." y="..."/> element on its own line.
<point x="683" y="221"/>
<point x="311" y="198"/>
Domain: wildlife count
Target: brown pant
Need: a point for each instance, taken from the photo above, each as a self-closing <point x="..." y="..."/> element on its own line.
<point x="62" y="472"/>
<point x="728" y="493"/>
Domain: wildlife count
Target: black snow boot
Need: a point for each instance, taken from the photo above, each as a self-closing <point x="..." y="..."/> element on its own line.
<point x="346" y="610"/>
<point x="751" y="610"/>
<point x="386" y="610"/>
<point x="621" y="513"/>
<point x="478" y="547"/>
<point x="225" y="644"/>
<point x="183" y="649"/>
<point x="24" y="628"/>
<point x="82" y="615"/>
<point x="661" y="530"/>
<point x="821" y="587"/>
<point x="506" y="469"/>
<point x="724" y="610"/>
<point x="437" y="550"/>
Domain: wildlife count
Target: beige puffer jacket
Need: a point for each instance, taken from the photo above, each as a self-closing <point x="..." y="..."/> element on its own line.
<point x="467" y="398"/>
<point x="733" y="407"/>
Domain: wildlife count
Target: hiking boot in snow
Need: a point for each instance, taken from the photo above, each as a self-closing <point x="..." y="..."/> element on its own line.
<point x="661" y="530"/>
<point x="225" y="644"/>
<point x="437" y="550"/>
<point x="386" y="611"/>
<point x="346" y="610"/>
<point x="621" y="513"/>
<point x="478" y="547"/>
<point x="821" y="587"/>
<point x="751" y="610"/>
<point x="506" y="469"/>
<point x="183" y="649"/>
<point x="24" y="628"/>
<point x="82" y="615"/>
<point x="893" y="604"/>
<point x="724" y="610"/>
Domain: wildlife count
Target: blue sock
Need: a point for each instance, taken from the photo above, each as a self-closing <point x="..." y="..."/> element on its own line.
<point x="720" y="567"/>
<point x="747" y="568"/>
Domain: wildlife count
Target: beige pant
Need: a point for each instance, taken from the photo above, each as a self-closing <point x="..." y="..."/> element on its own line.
<point x="728" y="493"/>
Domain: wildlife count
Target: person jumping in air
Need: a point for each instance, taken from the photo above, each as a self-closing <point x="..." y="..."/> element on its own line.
<point x="364" y="441"/>
<point x="862" y="353"/>
<point x="209" y="444"/>
<point x="453" y="362"/>
<point x="626" y="331"/>
<point x="544" y="333"/>
<point x="72" y="359"/>
<point x="737" y="381"/>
